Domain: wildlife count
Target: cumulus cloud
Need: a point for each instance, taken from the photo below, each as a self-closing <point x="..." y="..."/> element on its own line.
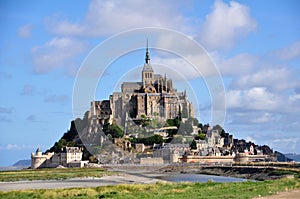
<point x="25" y="31"/>
<point x="257" y="98"/>
<point x="27" y="90"/>
<point x="56" y="53"/>
<point x="290" y="52"/>
<point x="272" y="78"/>
<point x="295" y="98"/>
<point x="225" y="24"/>
<point x="240" y="64"/>
<point x="178" y="68"/>
<point x="262" y="118"/>
<point x="106" y="17"/>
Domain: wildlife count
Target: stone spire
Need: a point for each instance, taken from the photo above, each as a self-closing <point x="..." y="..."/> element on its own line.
<point x="147" y="59"/>
<point x="147" y="72"/>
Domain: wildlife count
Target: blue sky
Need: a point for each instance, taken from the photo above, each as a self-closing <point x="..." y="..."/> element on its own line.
<point x="254" y="44"/>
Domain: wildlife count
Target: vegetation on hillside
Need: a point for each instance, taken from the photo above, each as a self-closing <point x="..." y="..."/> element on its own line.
<point x="154" y="139"/>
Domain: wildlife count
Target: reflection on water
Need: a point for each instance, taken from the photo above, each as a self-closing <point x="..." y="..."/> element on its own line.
<point x="200" y="178"/>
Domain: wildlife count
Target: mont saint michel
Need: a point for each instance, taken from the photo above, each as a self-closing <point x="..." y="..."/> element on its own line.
<point x="147" y="122"/>
<point x="208" y="107"/>
<point x="154" y="96"/>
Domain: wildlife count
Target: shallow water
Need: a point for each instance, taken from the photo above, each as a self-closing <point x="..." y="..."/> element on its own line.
<point x="200" y="178"/>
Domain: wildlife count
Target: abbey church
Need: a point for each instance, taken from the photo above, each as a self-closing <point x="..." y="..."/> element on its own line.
<point x="154" y="96"/>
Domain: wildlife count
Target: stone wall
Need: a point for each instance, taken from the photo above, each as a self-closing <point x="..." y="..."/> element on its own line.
<point x="208" y="159"/>
<point x="148" y="161"/>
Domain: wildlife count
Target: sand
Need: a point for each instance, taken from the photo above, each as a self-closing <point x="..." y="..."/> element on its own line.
<point x="77" y="182"/>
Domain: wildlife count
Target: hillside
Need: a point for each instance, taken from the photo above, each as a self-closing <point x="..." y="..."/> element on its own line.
<point x="293" y="156"/>
<point x="22" y="163"/>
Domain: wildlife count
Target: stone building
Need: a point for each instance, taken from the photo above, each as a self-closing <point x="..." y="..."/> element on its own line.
<point x="68" y="157"/>
<point x="170" y="153"/>
<point x="154" y="96"/>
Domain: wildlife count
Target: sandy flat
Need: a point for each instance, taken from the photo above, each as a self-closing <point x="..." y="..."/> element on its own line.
<point x="76" y="182"/>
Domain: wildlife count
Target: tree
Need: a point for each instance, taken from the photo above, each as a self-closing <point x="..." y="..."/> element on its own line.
<point x="200" y="125"/>
<point x="201" y="136"/>
<point x="114" y="130"/>
<point x="223" y="133"/>
<point x="193" y="145"/>
<point x="155" y="139"/>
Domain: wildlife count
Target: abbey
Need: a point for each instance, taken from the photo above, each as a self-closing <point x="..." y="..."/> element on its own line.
<point x="154" y="96"/>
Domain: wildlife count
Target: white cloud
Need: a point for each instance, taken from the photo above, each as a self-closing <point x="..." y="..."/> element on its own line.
<point x="225" y="24"/>
<point x="240" y="64"/>
<point x="25" y="31"/>
<point x="250" y="139"/>
<point x="294" y="98"/>
<point x="177" y="68"/>
<point x="289" y="52"/>
<point x="56" y="53"/>
<point x="106" y="17"/>
<point x="16" y="147"/>
<point x="262" y="118"/>
<point x="257" y="98"/>
<point x="272" y="78"/>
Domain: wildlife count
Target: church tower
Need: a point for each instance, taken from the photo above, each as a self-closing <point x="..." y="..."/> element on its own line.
<point x="147" y="72"/>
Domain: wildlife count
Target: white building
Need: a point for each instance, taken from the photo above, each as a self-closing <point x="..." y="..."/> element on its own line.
<point x="68" y="157"/>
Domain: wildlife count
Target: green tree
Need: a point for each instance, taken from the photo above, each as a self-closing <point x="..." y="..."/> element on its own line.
<point x="155" y="139"/>
<point x="223" y="133"/>
<point x="193" y="145"/>
<point x="200" y="125"/>
<point x="201" y="136"/>
<point x="113" y="129"/>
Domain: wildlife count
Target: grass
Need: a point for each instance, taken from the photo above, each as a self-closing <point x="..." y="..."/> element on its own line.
<point x="248" y="189"/>
<point x="51" y="174"/>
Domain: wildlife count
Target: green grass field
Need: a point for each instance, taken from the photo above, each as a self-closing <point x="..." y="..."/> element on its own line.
<point x="247" y="189"/>
<point x="52" y="174"/>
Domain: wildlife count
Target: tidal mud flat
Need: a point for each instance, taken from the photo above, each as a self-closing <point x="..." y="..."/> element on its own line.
<point x="246" y="172"/>
<point x="77" y="182"/>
